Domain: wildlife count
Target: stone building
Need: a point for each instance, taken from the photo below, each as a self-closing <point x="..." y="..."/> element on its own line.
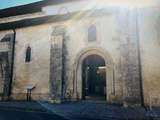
<point x="80" y="50"/>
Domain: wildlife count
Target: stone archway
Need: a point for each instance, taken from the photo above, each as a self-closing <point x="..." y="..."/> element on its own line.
<point x="77" y="85"/>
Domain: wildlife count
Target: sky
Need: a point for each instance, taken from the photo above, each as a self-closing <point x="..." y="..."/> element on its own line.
<point x="11" y="3"/>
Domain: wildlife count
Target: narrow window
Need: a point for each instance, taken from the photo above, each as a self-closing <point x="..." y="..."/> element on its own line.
<point x="28" y="54"/>
<point x="92" y="33"/>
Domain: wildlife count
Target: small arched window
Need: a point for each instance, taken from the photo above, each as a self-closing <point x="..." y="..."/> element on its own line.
<point x="28" y="54"/>
<point x="92" y="33"/>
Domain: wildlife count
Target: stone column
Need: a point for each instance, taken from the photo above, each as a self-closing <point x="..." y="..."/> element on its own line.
<point x="58" y="66"/>
<point x="129" y="56"/>
<point x="6" y="60"/>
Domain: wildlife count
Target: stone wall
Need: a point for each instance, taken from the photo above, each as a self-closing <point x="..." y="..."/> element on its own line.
<point x="107" y="40"/>
<point x="149" y="24"/>
<point x="36" y="72"/>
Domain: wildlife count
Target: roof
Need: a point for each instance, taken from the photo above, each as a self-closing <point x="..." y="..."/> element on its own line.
<point x="50" y="19"/>
<point x="29" y="8"/>
<point x="33" y="22"/>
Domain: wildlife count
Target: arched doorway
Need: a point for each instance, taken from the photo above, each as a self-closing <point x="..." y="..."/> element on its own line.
<point x="78" y="88"/>
<point x="94" y="78"/>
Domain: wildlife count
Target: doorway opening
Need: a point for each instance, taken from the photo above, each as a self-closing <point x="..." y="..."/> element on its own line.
<point x="93" y="78"/>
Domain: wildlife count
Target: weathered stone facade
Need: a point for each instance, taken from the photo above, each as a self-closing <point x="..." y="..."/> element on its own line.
<point x="127" y="40"/>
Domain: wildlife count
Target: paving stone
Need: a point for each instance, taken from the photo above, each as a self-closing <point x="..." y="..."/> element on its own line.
<point x="97" y="111"/>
